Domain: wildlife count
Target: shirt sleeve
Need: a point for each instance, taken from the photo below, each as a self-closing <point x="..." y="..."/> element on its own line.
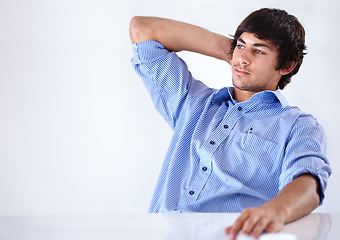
<point x="306" y="154"/>
<point x="166" y="77"/>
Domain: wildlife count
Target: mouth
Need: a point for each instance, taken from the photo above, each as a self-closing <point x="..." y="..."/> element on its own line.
<point x="240" y="71"/>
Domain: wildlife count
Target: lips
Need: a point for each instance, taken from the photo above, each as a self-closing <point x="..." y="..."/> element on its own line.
<point x="241" y="71"/>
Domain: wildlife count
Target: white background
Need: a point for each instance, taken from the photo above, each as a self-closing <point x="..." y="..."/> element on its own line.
<point x="78" y="132"/>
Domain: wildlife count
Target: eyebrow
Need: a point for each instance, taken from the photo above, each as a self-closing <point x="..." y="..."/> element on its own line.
<point x="255" y="44"/>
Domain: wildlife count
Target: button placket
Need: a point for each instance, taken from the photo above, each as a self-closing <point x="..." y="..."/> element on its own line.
<point x="200" y="179"/>
<point x="210" y="146"/>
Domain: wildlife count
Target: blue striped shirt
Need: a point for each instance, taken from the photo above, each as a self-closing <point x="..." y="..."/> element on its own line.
<point x="225" y="155"/>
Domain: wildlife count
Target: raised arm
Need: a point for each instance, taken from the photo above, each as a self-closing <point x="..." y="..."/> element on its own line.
<point x="178" y="36"/>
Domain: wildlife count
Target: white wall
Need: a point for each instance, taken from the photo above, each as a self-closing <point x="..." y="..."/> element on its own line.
<point x="78" y="132"/>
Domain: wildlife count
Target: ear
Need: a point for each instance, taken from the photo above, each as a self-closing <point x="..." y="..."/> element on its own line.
<point x="285" y="71"/>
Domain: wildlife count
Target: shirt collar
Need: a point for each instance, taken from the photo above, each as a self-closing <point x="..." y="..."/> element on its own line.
<point x="226" y="93"/>
<point x="222" y="95"/>
<point x="280" y="97"/>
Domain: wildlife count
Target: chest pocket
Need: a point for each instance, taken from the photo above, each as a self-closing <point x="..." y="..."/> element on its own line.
<point x="251" y="159"/>
<point x="251" y="143"/>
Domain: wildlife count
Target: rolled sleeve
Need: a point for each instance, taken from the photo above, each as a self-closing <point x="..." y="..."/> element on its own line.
<point x="306" y="154"/>
<point x="166" y="77"/>
<point x="148" y="51"/>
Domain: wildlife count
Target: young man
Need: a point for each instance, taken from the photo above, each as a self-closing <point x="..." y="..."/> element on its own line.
<point x="238" y="149"/>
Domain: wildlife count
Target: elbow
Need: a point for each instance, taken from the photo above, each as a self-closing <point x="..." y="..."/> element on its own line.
<point x="133" y="28"/>
<point x="139" y="29"/>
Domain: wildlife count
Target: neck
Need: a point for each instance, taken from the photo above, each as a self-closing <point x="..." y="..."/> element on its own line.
<point x="241" y="95"/>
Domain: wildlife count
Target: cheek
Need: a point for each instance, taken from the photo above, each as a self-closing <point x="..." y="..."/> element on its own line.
<point x="267" y="66"/>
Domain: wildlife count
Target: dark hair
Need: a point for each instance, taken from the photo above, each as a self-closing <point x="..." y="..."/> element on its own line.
<point x="283" y="30"/>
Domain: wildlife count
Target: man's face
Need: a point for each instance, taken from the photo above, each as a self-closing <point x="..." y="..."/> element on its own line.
<point x="253" y="64"/>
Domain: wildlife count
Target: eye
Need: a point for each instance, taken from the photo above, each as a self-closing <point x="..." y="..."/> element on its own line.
<point x="259" y="52"/>
<point x="239" y="46"/>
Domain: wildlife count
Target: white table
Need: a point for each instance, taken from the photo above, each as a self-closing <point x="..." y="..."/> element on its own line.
<point x="193" y="226"/>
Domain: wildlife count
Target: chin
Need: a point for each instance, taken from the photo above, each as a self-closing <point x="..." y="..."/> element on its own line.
<point x="238" y="83"/>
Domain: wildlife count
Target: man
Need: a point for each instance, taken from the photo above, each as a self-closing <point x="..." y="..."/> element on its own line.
<point x="238" y="149"/>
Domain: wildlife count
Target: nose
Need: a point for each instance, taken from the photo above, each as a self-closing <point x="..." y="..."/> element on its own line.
<point x="244" y="58"/>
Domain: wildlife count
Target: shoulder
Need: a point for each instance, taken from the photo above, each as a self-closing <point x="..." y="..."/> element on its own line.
<point x="307" y="128"/>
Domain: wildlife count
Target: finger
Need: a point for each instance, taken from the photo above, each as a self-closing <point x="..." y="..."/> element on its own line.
<point x="238" y="224"/>
<point x="227" y="230"/>
<point x="250" y="224"/>
<point x="230" y="233"/>
<point x="259" y="227"/>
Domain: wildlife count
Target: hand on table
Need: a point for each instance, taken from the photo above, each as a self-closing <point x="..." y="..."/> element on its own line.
<point x="297" y="199"/>
<point x="253" y="221"/>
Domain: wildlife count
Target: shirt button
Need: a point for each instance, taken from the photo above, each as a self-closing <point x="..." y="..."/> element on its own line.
<point x="225" y="126"/>
<point x="212" y="142"/>
<point x="191" y="192"/>
<point x="204" y="168"/>
<point x="239" y="108"/>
